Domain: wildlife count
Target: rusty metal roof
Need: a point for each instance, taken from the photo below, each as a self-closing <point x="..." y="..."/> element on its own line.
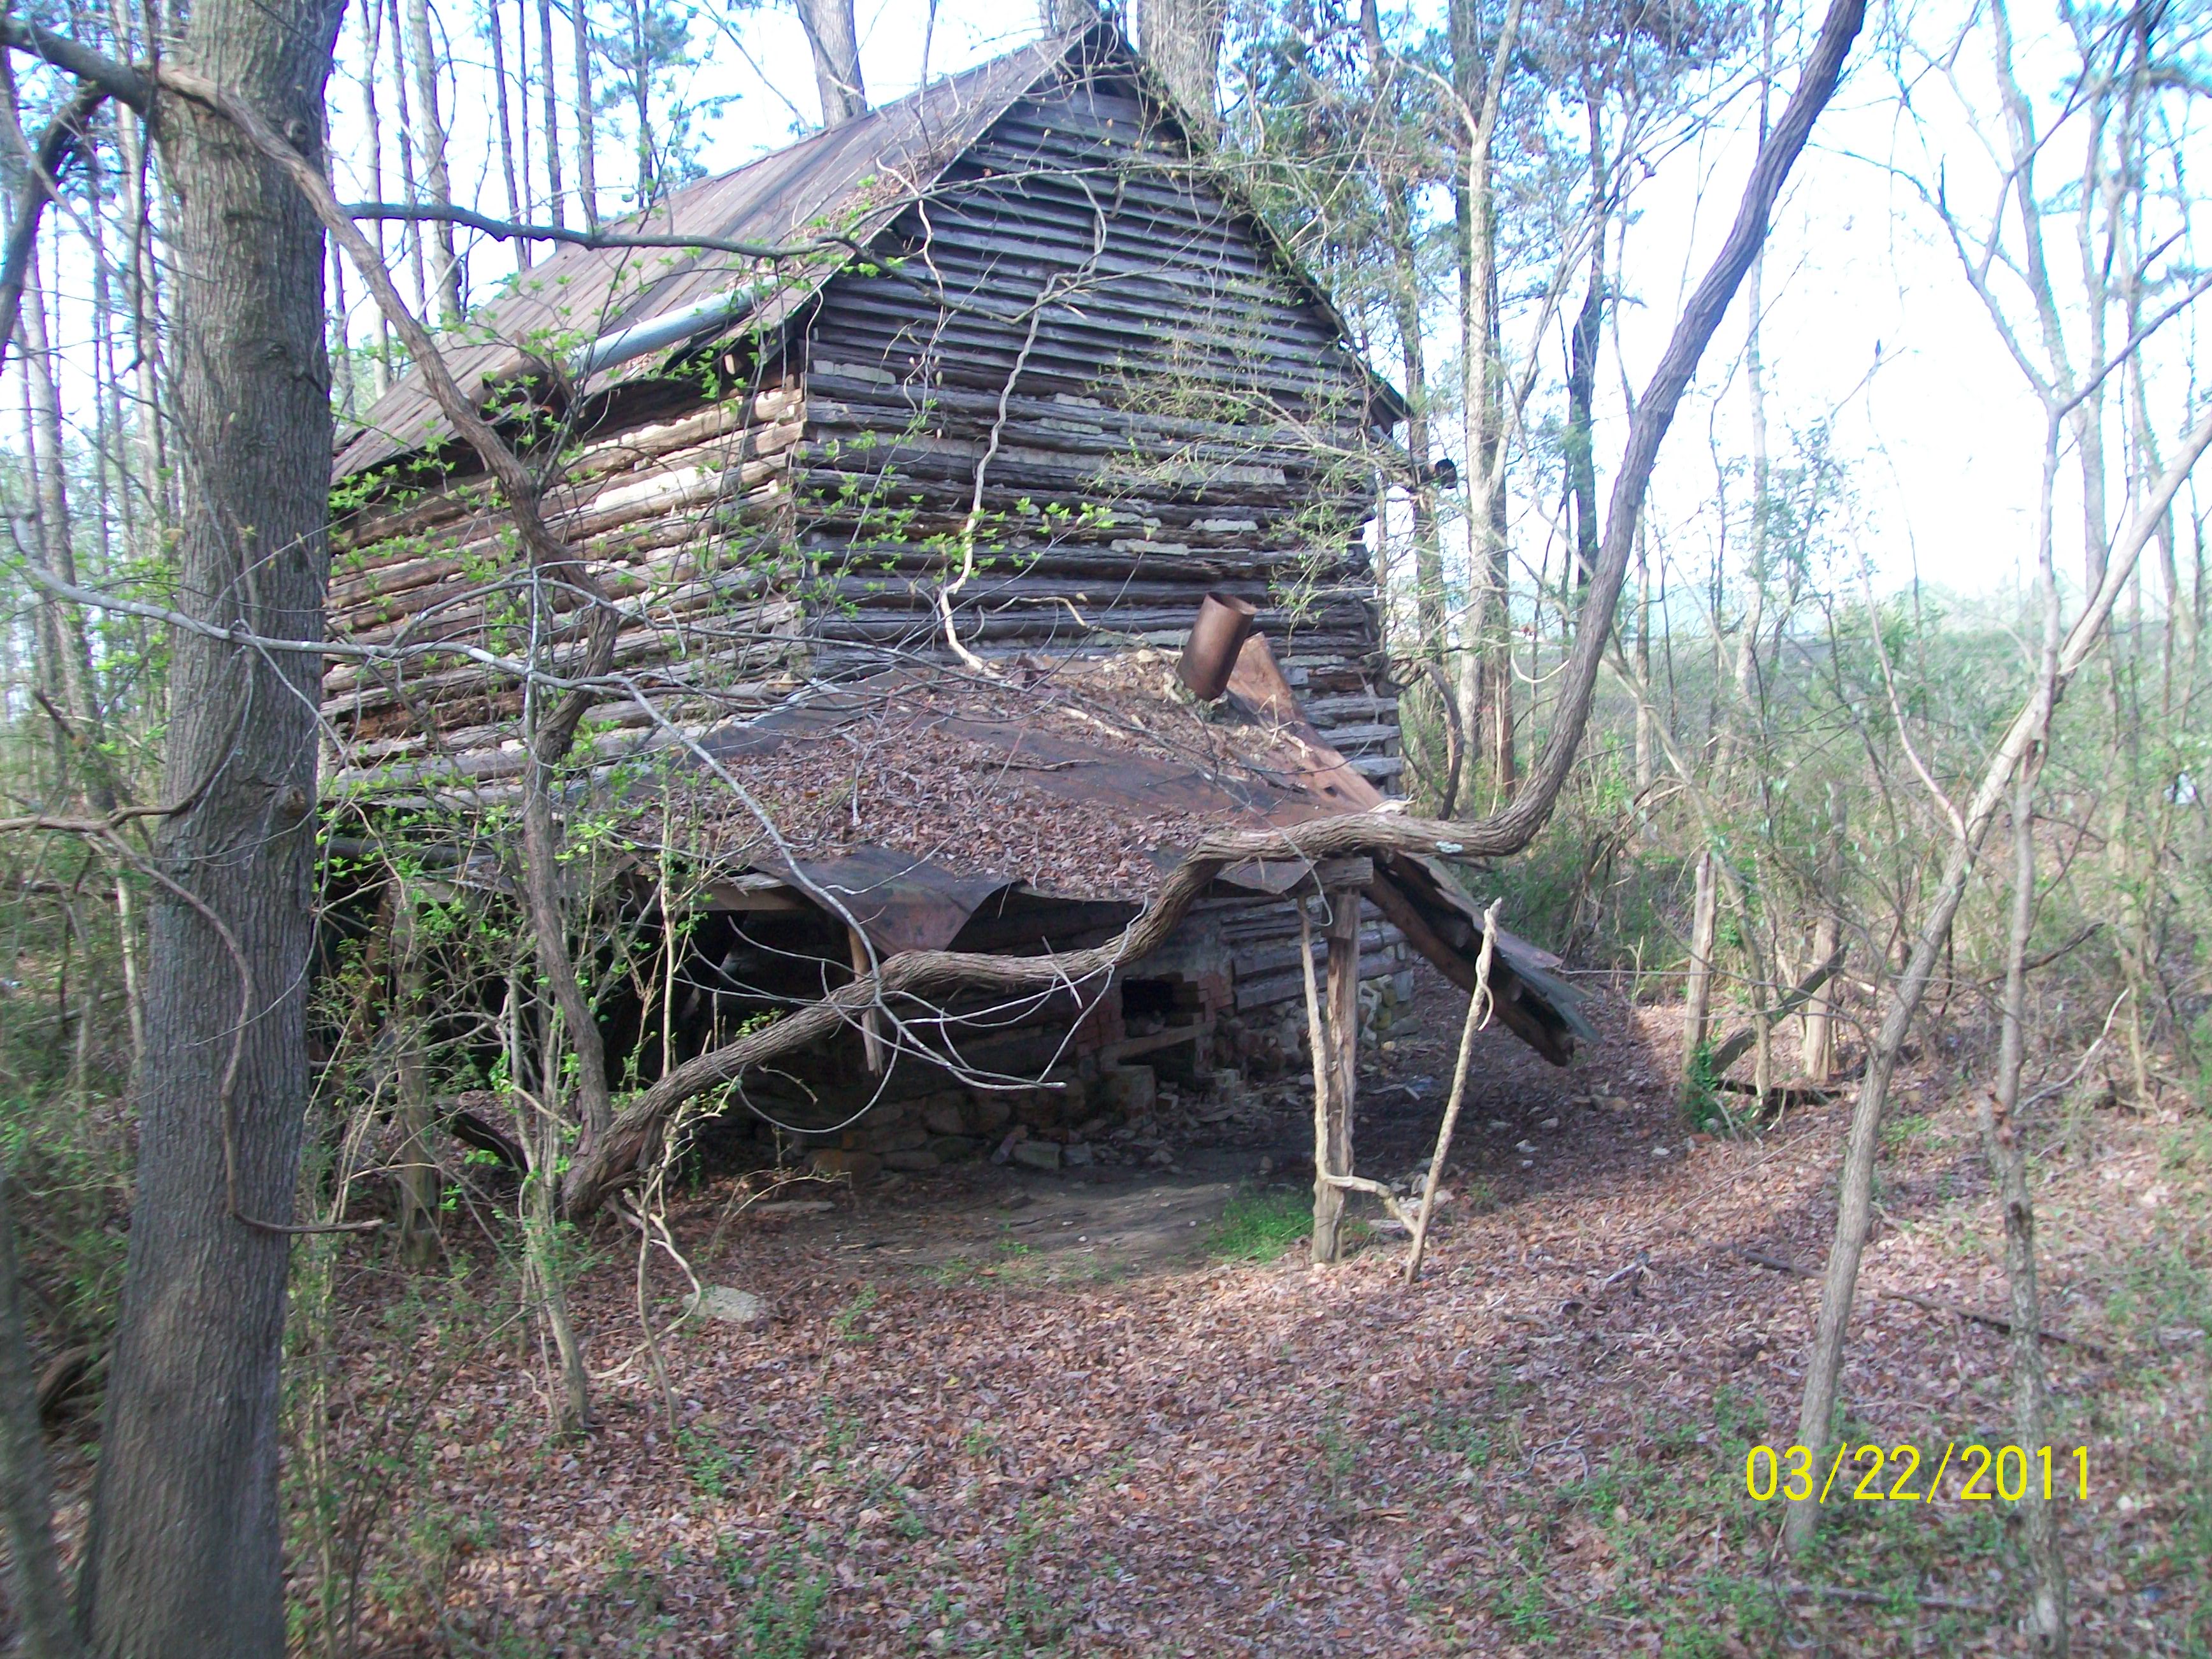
<point x="1092" y="778"/>
<point x="850" y="183"/>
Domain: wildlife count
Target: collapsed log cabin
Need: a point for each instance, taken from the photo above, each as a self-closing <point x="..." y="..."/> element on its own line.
<point x="905" y="458"/>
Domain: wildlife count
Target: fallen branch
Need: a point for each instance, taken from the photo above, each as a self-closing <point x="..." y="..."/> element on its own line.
<point x="1997" y="1321"/>
<point x="1478" y="1004"/>
<point x="1932" y="1304"/>
<point x="1736" y="1046"/>
<point x="1641" y="1265"/>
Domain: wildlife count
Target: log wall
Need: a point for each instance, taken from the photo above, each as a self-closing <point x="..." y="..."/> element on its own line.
<point x="1080" y="395"/>
<point x="683" y="513"/>
<point x="1087" y="371"/>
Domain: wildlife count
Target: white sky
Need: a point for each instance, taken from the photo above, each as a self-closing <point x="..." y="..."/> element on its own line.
<point x="1942" y="440"/>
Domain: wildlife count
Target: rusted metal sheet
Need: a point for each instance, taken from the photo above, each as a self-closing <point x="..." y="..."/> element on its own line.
<point x="858" y="178"/>
<point x="1269" y="769"/>
<point x="900" y="901"/>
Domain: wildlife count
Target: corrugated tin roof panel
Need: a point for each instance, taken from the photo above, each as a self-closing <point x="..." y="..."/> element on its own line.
<point x="847" y="183"/>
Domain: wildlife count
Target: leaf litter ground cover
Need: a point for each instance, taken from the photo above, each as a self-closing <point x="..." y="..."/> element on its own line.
<point x="996" y="1411"/>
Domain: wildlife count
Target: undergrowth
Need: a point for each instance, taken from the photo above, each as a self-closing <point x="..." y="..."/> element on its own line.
<point x="1260" y="1226"/>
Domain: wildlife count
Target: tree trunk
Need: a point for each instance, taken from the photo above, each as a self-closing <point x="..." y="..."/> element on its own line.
<point x="2007" y="1159"/>
<point x="1486" y="631"/>
<point x="1697" y="992"/>
<point x="371" y="20"/>
<point x="183" y="1556"/>
<point x="418" y="1182"/>
<point x="1647" y="737"/>
<point x="1333" y="1023"/>
<point x="404" y="107"/>
<point x="551" y="108"/>
<point x="1582" y="364"/>
<point x="1740" y="729"/>
<point x="834" y="44"/>
<point x="445" y="263"/>
<point x="27" y="1487"/>
<point x="1581" y="387"/>
<point x="538" y="1131"/>
<point x="517" y="207"/>
<point x="1182" y="39"/>
<point x="640" y="95"/>
<point x="64" y="651"/>
<point x="1821" y="1012"/>
<point x="588" y="168"/>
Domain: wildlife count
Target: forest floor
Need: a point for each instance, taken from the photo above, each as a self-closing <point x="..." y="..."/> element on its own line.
<point x="999" y="1411"/>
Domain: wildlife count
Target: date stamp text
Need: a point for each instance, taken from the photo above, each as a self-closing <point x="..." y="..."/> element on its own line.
<point x="1972" y="1474"/>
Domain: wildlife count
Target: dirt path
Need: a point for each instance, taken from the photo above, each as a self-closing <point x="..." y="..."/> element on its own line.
<point x="1000" y="1412"/>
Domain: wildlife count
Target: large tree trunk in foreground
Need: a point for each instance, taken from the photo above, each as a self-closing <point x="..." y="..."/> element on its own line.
<point x="184" y="1558"/>
<point x="44" y="1629"/>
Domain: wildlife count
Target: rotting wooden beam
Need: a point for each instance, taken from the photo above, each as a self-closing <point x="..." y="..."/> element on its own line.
<point x="1114" y="1053"/>
<point x="1511" y="1011"/>
<point x="1343" y="936"/>
<point x="1333" y="1032"/>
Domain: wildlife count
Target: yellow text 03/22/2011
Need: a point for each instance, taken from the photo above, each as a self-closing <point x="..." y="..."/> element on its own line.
<point x="1970" y="1474"/>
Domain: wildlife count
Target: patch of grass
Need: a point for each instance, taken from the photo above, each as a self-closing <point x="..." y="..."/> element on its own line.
<point x="2185" y="1150"/>
<point x="2160" y="1287"/>
<point x="847" y="1320"/>
<point x="1701" y="1099"/>
<point x="709" y="1463"/>
<point x="1521" y="1605"/>
<point x="1461" y="1439"/>
<point x="955" y="1270"/>
<point x="1903" y="1131"/>
<point x="1260" y="1225"/>
<point x="1042" y="1599"/>
<point x="782" y="1593"/>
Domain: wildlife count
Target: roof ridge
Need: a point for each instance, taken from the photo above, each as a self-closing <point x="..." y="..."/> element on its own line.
<point x="877" y="115"/>
<point x="767" y="201"/>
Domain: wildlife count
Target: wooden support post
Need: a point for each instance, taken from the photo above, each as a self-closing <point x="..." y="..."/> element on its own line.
<point x="1699" y="994"/>
<point x="1328" y="1199"/>
<point x="1332" y="1028"/>
<point x="418" y="1176"/>
<point x="871" y="1031"/>
<point x="1343" y="935"/>
<point x="1821" y="1011"/>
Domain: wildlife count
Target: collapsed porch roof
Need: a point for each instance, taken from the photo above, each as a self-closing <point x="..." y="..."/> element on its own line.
<point x="1082" y="780"/>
